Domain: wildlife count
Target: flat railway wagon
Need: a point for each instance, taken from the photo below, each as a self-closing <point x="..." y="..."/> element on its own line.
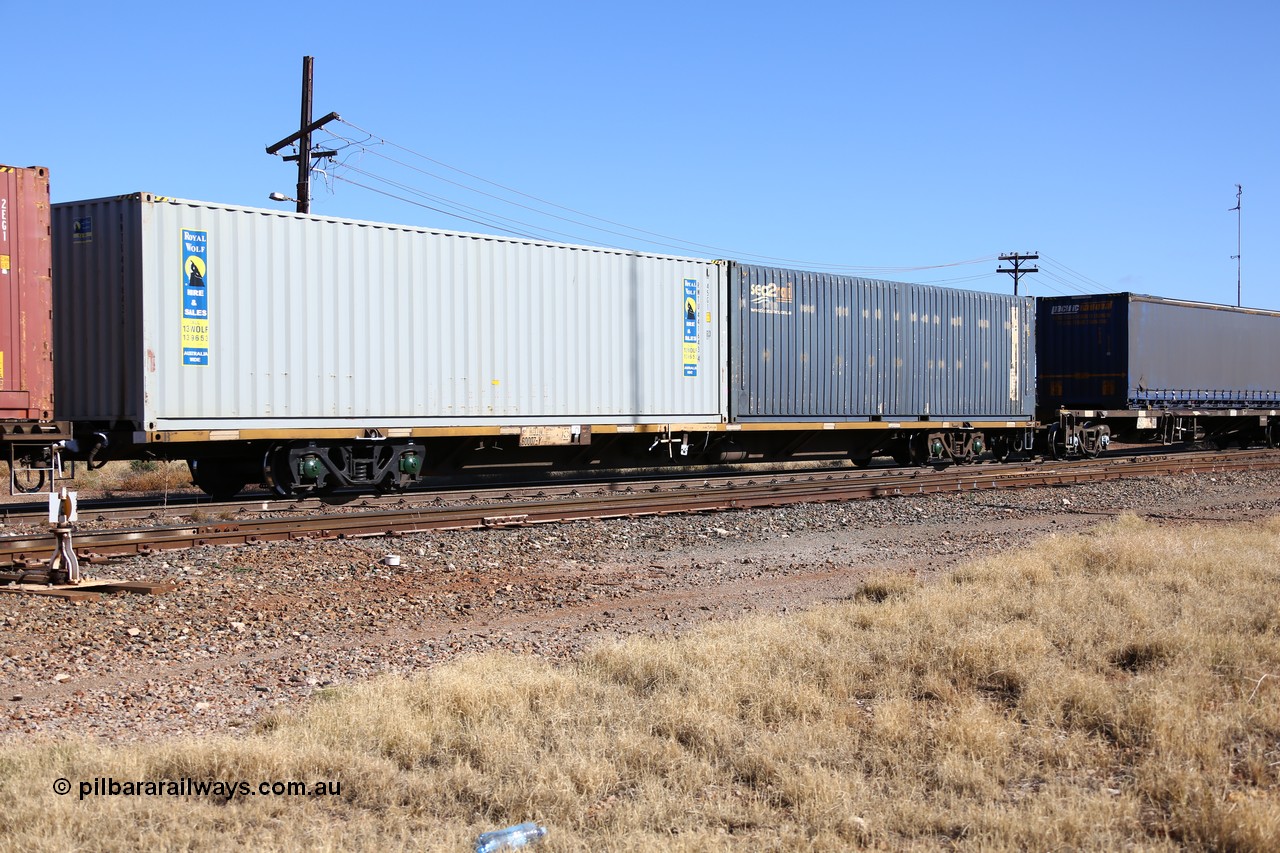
<point x="310" y="352"/>
<point x="27" y="424"/>
<point x="1145" y="368"/>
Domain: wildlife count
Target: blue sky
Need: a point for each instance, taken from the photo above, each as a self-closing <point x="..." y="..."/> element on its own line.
<point x="879" y="137"/>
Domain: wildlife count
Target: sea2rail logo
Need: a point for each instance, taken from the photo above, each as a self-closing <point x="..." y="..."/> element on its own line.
<point x="772" y="298"/>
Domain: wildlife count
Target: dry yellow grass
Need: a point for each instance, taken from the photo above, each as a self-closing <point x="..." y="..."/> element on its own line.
<point x="1117" y="689"/>
<point x="137" y="476"/>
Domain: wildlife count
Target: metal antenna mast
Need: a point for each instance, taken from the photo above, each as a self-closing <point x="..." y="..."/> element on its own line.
<point x="303" y="137"/>
<point x="1236" y="256"/>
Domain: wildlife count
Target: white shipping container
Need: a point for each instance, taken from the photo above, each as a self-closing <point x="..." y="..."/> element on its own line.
<point x="186" y="315"/>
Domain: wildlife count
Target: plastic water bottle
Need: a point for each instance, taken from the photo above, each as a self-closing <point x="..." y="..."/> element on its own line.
<point x="509" y="838"/>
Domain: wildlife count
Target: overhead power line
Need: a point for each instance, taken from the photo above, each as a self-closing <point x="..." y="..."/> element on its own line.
<point x="1091" y="285"/>
<point x="1068" y="286"/>
<point x="355" y="146"/>
<point x="371" y="141"/>
<point x="429" y="207"/>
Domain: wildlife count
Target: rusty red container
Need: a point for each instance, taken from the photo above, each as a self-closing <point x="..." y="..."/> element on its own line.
<point x="26" y="295"/>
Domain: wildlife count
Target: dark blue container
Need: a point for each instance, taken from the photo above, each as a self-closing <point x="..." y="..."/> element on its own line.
<point x="810" y="346"/>
<point x="1128" y="351"/>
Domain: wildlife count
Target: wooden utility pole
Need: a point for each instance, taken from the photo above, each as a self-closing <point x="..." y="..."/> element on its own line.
<point x="303" y="137"/>
<point x="1236" y="256"/>
<point x="1017" y="271"/>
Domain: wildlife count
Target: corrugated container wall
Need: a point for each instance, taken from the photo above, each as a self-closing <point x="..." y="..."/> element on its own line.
<point x="190" y="315"/>
<point x="1125" y="350"/>
<point x="26" y="294"/>
<point x="811" y="346"/>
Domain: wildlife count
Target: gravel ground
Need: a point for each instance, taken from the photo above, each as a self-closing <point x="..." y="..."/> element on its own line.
<point x="251" y="629"/>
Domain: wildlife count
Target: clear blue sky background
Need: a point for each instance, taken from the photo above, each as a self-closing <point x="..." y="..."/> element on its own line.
<point x="883" y="137"/>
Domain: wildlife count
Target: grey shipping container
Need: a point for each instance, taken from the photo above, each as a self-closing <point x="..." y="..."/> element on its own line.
<point x="1127" y="351"/>
<point x="811" y="346"/>
<point x="186" y="315"/>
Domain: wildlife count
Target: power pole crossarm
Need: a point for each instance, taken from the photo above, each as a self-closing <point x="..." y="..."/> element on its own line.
<point x="1017" y="270"/>
<point x="294" y="137"/>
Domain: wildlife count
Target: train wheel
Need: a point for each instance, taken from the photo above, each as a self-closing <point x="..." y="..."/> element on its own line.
<point x="973" y="448"/>
<point x="1053" y="448"/>
<point x="305" y="474"/>
<point x="219" y="479"/>
<point x="276" y="470"/>
<point x="900" y="450"/>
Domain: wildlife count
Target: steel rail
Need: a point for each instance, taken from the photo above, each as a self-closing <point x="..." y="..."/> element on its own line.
<point x="745" y="493"/>
<point x="200" y="506"/>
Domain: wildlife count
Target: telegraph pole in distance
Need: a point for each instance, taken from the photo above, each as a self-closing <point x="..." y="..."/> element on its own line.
<point x="1236" y="256"/>
<point x="1017" y="270"/>
<point x="303" y="137"/>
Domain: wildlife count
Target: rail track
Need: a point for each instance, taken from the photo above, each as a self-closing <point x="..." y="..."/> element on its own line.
<point x="240" y="524"/>
<point x="197" y="506"/>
